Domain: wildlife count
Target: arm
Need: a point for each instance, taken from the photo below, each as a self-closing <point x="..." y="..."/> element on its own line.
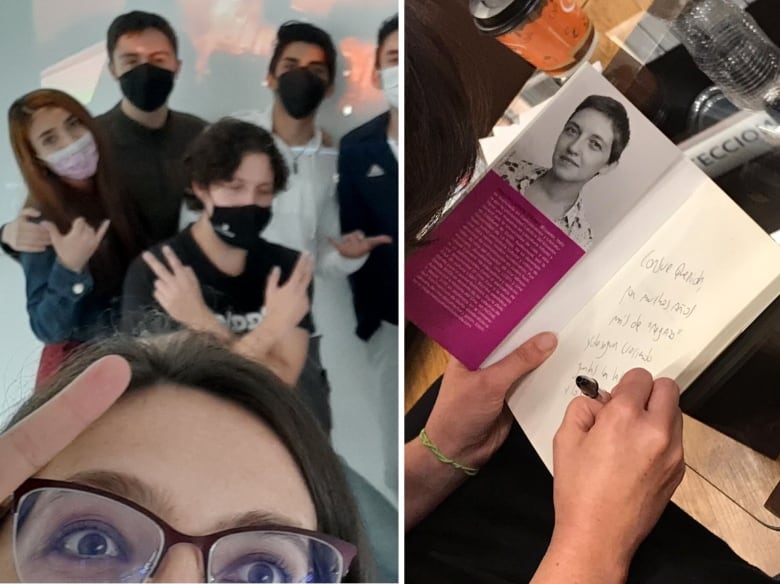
<point x="329" y="260"/>
<point x="616" y="465"/>
<point x="480" y="431"/>
<point x="55" y="295"/>
<point x="151" y="285"/>
<point x="282" y="338"/>
<point x="353" y="244"/>
<point x="137" y="300"/>
<point x="285" y="354"/>
<point x="580" y="562"/>
<point x="273" y="343"/>
<point x="428" y="482"/>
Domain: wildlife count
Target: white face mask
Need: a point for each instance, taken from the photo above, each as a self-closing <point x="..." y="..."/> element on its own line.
<point x="390" y="85"/>
<point x="76" y="161"/>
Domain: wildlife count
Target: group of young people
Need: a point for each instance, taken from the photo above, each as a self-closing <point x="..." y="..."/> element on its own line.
<point x="199" y="243"/>
<point x="99" y="237"/>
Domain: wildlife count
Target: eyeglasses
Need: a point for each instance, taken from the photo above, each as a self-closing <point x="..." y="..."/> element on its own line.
<point x="66" y="532"/>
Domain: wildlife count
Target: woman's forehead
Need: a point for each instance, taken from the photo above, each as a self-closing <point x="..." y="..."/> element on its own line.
<point x="201" y="459"/>
<point x="48" y="116"/>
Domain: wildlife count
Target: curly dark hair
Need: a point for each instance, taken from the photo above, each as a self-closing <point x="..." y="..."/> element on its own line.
<point x="294" y="31"/>
<point x="217" y="152"/>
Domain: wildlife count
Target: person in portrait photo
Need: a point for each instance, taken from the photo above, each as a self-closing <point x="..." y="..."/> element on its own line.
<point x="590" y="145"/>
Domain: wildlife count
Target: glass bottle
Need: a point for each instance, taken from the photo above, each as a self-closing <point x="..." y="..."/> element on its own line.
<point x="732" y="50"/>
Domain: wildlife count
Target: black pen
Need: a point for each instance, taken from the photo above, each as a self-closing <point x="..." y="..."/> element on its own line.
<point x="588" y="386"/>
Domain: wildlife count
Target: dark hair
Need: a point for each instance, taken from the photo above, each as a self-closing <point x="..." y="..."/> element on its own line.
<point x="135" y="22"/>
<point x="59" y="202"/>
<point x="388" y="27"/>
<point x="217" y="152"/>
<point x="616" y="113"/>
<point x="199" y="361"/>
<point x="441" y="121"/>
<point x="294" y="31"/>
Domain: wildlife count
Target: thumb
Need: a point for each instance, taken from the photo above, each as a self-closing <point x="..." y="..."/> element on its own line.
<point x="378" y="240"/>
<point x="30" y="213"/>
<point x="521" y="361"/>
<point x="334" y="243"/>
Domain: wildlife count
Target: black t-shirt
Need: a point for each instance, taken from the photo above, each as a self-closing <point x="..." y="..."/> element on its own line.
<point x="496" y="527"/>
<point x="236" y="300"/>
<point x="149" y="166"/>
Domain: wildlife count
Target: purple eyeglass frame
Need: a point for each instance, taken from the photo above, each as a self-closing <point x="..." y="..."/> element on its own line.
<point x="172" y="536"/>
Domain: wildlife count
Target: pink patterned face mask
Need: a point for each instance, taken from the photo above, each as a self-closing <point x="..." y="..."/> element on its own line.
<point x="76" y="161"/>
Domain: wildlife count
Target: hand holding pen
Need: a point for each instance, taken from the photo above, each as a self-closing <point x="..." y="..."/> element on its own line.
<point x="590" y="388"/>
<point x="616" y="464"/>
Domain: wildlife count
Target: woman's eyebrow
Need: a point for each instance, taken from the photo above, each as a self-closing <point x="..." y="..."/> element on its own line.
<point x="255" y="518"/>
<point x="598" y="137"/>
<point x="125" y="486"/>
<point x="45" y="133"/>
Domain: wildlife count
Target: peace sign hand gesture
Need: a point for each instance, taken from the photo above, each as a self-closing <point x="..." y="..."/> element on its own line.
<point x="178" y="292"/>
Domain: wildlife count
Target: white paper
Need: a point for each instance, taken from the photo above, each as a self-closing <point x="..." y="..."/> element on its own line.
<point x="675" y="305"/>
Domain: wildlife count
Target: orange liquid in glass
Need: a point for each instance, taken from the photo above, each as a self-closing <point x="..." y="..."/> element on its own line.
<point x="551" y="40"/>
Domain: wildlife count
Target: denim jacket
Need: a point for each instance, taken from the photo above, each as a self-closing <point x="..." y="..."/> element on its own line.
<point x="61" y="303"/>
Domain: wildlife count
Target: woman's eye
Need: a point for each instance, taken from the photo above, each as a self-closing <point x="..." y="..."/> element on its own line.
<point x="266" y="570"/>
<point x="49" y="140"/>
<point x="596" y="145"/>
<point x="570" y="130"/>
<point x="74" y="123"/>
<point x="89" y="543"/>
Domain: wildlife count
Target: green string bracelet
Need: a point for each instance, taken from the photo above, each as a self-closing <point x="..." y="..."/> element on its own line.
<point x="468" y="470"/>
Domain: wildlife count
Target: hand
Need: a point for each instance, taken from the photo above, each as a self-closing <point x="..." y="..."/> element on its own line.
<point x="616" y="466"/>
<point x="76" y="247"/>
<point x="469" y="421"/>
<point x="178" y="291"/>
<point x="23" y="235"/>
<point x="286" y="305"/>
<point x="33" y="442"/>
<point x="356" y="244"/>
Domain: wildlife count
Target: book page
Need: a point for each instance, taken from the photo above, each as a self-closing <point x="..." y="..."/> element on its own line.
<point x="495" y="257"/>
<point x="551" y="200"/>
<point x="682" y="298"/>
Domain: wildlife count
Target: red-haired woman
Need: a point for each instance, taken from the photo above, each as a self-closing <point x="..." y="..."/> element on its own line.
<point x="74" y="284"/>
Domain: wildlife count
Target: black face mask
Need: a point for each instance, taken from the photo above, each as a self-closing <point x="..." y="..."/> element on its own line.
<point x="301" y="91"/>
<point x="240" y="226"/>
<point x="147" y="86"/>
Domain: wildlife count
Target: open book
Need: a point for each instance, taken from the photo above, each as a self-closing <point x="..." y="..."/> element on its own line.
<point x="634" y="260"/>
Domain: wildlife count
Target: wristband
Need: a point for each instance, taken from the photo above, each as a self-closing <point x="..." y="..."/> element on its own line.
<point x="468" y="470"/>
